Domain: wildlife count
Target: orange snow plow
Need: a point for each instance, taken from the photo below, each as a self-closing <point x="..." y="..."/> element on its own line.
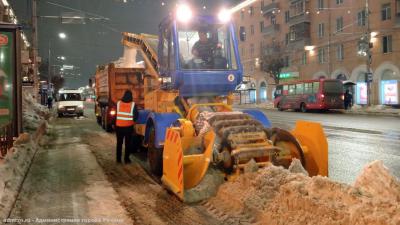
<point x="230" y="141"/>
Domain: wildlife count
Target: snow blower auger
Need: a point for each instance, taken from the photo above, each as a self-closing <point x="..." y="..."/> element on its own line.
<point x="229" y="141"/>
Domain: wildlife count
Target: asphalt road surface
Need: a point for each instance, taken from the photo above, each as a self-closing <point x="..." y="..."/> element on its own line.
<point x="354" y="140"/>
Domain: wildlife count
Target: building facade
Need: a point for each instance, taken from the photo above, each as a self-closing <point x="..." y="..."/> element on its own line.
<point x="321" y="39"/>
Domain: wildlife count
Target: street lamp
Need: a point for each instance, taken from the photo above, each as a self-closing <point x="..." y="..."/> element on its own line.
<point x="61" y="35"/>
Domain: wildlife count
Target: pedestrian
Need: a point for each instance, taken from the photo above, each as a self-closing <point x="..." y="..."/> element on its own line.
<point x="124" y="125"/>
<point x="348" y="100"/>
<point x="49" y="102"/>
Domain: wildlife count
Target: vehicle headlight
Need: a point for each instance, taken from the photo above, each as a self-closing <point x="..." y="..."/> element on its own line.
<point x="80" y="106"/>
<point x="183" y="13"/>
<point x="60" y="107"/>
<point x="224" y="15"/>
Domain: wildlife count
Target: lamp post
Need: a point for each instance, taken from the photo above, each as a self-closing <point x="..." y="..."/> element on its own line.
<point x="61" y="36"/>
<point x="368" y="75"/>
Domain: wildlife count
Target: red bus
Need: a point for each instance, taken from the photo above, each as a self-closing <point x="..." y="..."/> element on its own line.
<point x="323" y="94"/>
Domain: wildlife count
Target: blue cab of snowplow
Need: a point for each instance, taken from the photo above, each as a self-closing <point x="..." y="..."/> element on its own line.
<point x="199" y="57"/>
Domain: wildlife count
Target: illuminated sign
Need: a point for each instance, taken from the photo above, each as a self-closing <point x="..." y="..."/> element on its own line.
<point x="288" y="75"/>
<point x="389" y="92"/>
<point x="3" y="39"/>
<point x="361" y="94"/>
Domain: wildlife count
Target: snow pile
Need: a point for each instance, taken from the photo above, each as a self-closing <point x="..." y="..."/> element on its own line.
<point x="374" y="109"/>
<point x="377" y="180"/>
<point x="33" y="113"/>
<point x="264" y="105"/>
<point x="276" y="196"/>
<point x="13" y="169"/>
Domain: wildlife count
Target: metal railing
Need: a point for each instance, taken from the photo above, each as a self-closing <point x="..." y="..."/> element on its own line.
<point x="6" y="139"/>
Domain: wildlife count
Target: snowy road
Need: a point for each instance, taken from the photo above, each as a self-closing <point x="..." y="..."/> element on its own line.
<point x="75" y="176"/>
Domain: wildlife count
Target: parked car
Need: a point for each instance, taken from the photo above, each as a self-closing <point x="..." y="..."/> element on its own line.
<point x="70" y="102"/>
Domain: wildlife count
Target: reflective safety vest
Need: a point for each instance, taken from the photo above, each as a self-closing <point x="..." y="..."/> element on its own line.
<point x="125" y="114"/>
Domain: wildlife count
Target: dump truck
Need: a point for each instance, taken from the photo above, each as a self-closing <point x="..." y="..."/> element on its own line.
<point x="187" y="122"/>
<point x="110" y="84"/>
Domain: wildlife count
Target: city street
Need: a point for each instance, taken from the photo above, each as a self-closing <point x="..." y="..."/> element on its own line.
<point x="184" y="88"/>
<point x="75" y="173"/>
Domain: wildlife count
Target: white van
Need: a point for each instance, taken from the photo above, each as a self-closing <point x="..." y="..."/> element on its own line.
<point x="70" y="102"/>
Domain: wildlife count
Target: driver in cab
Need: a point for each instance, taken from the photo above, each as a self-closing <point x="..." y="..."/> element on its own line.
<point x="204" y="47"/>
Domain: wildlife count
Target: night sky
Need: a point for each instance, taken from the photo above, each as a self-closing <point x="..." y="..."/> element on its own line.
<point x="97" y="42"/>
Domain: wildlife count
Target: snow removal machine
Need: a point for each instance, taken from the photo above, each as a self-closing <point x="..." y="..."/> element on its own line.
<point x="186" y="83"/>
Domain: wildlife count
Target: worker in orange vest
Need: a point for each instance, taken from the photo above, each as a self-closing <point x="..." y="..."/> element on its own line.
<point x="124" y="125"/>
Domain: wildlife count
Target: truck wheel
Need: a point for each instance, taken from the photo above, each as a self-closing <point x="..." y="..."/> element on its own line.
<point x="107" y="125"/>
<point x="103" y="120"/>
<point x="154" y="155"/>
<point x="60" y="115"/>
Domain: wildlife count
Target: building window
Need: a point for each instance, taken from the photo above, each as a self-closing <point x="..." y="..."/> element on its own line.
<point x="286" y="61"/>
<point x="242" y="15"/>
<point x="261" y="26"/>
<point x="339" y="52"/>
<point x="292" y="34"/>
<point x="339" y="24"/>
<point x="262" y="4"/>
<point x="242" y="33"/>
<point x="338" y="2"/>
<point x="287" y="16"/>
<point x="361" y="18"/>
<point x="321" y="30"/>
<point x="286" y="39"/>
<point x="397" y="7"/>
<point x="320" y="4"/>
<point x="251" y="50"/>
<point x="273" y="19"/>
<point x="387" y="44"/>
<point x="243" y="51"/>
<point x="386" y="15"/>
<point x="321" y="55"/>
<point x="251" y="10"/>
<point x="298" y="8"/>
<point x="251" y="29"/>
<point x="304" y="58"/>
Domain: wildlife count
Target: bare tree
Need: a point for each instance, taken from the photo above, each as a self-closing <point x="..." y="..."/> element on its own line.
<point x="272" y="62"/>
<point x="273" y="66"/>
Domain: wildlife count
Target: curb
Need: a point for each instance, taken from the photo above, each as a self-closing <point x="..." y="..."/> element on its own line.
<point x="391" y="114"/>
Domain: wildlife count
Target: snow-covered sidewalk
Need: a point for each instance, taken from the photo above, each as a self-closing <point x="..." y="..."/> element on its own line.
<point x="66" y="185"/>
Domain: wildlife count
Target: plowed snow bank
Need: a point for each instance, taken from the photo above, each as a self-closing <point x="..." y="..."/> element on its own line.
<point x="274" y="195"/>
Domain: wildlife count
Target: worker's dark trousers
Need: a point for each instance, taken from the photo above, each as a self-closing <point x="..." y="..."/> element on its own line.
<point x="124" y="133"/>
